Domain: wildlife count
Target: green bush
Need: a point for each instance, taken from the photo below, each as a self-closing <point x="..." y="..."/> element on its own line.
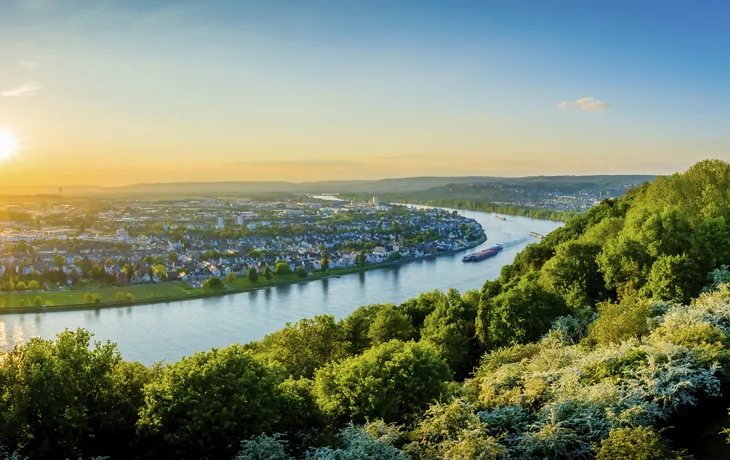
<point x="390" y="382"/>
<point x="282" y="268"/>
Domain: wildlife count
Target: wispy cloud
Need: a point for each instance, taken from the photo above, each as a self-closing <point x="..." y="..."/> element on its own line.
<point x="26" y="89"/>
<point x="591" y="103"/>
<point x="295" y="162"/>
<point x="562" y="105"/>
<point x="29" y="65"/>
<point x="511" y="120"/>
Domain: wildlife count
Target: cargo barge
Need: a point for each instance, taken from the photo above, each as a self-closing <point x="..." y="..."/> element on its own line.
<point x="536" y="235"/>
<point x="483" y="254"/>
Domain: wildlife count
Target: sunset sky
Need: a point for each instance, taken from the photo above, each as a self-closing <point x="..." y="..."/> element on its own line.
<point x="119" y="92"/>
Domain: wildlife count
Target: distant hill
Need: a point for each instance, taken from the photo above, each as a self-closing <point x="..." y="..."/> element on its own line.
<point x="359" y="186"/>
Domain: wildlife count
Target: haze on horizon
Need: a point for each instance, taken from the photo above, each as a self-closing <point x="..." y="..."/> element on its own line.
<point x="119" y="92"/>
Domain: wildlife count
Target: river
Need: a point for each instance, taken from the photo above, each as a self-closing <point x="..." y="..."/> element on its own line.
<point x="168" y="331"/>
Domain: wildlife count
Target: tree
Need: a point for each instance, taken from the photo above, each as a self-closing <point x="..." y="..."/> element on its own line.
<point x="230" y="277"/>
<point x="282" y="268"/>
<point x="34" y="286"/>
<point x="203" y="405"/>
<point x="20" y="286"/>
<point x="325" y="262"/>
<point x="59" y="261"/>
<point x="618" y="322"/>
<point x="129" y="297"/>
<point x="173" y="257"/>
<point x="301" y="272"/>
<point x="450" y="329"/>
<point x="268" y="273"/>
<point x="361" y="259"/>
<point x="305" y="345"/>
<point x="119" y="297"/>
<point x="129" y="272"/>
<point x="573" y="273"/>
<point x="675" y="278"/>
<point x="389" y="381"/>
<point x="253" y="275"/>
<point x="38" y="301"/>
<point x="65" y="398"/>
<point x="390" y="323"/>
<point x="518" y="315"/>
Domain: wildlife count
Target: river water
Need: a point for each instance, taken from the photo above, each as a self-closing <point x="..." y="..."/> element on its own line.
<point x="168" y="331"/>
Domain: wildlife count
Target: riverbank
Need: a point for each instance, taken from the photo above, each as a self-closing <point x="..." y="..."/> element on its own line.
<point x="174" y="292"/>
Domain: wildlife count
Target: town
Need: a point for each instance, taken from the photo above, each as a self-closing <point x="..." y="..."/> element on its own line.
<point x="102" y="249"/>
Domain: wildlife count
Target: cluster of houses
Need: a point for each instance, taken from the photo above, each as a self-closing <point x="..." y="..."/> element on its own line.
<point x="380" y="234"/>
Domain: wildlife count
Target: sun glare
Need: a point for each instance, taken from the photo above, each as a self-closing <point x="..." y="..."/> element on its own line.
<point x="9" y="143"/>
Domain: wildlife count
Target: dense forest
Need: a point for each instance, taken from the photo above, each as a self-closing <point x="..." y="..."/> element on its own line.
<point x="608" y="339"/>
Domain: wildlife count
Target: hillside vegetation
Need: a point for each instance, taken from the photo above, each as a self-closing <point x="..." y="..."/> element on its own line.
<point x="608" y="339"/>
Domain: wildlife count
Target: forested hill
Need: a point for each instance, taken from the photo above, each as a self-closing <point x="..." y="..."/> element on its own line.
<point x="608" y="339"/>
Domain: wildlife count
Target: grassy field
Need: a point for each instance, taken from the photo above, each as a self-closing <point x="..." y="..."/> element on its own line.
<point x="157" y="292"/>
<point x="107" y="294"/>
<point x="151" y="292"/>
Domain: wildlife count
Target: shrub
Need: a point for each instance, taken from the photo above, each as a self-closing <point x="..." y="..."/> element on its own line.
<point x="619" y="322"/>
<point x="282" y="268"/>
<point x="301" y="272"/>
<point x="22" y="303"/>
<point x="20" y="286"/>
<point x="357" y="444"/>
<point x="253" y="275"/>
<point x="263" y="447"/>
<point x="33" y="285"/>
<point x="129" y="297"/>
<point x="637" y="443"/>
<point x="38" y="301"/>
<point x="119" y="296"/>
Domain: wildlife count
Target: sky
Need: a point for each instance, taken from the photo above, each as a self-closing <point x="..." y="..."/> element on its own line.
<point x="114" y="92"/>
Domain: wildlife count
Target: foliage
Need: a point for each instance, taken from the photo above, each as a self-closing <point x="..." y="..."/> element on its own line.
<point x="635" y="443"/>
<point x="202" y="405"/>
<point x="618" y="322"/>
<point x="64" y="398"/>
<point x="518" y="315"/>
<point x="450" y="329"/>
<point x="253" y="275"/>
<point x="263" y="447"/>
<point x="356" y="444"/>
<point x="282" y="268"/>
<point x="305" y="346"/>
<point x="389" y="382"/>
<point x="301" y="272"/>
<point x="388" y="324"/>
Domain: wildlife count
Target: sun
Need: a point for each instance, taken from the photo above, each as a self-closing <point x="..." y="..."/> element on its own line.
<point x="9" y="143"/>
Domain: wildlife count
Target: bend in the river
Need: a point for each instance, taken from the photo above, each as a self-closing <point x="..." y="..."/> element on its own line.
<point x="168" y="331"/>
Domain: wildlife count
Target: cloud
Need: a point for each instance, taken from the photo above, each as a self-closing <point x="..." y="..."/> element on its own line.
<point x="294" y="162"/>
<point x="26" y="89"/>
<point x="29" y="65"/>
<point x="562" y="105"/>
<point x="591" y="103"/>
<point x="511" y="120"/>
<point x="478" y="115"/>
